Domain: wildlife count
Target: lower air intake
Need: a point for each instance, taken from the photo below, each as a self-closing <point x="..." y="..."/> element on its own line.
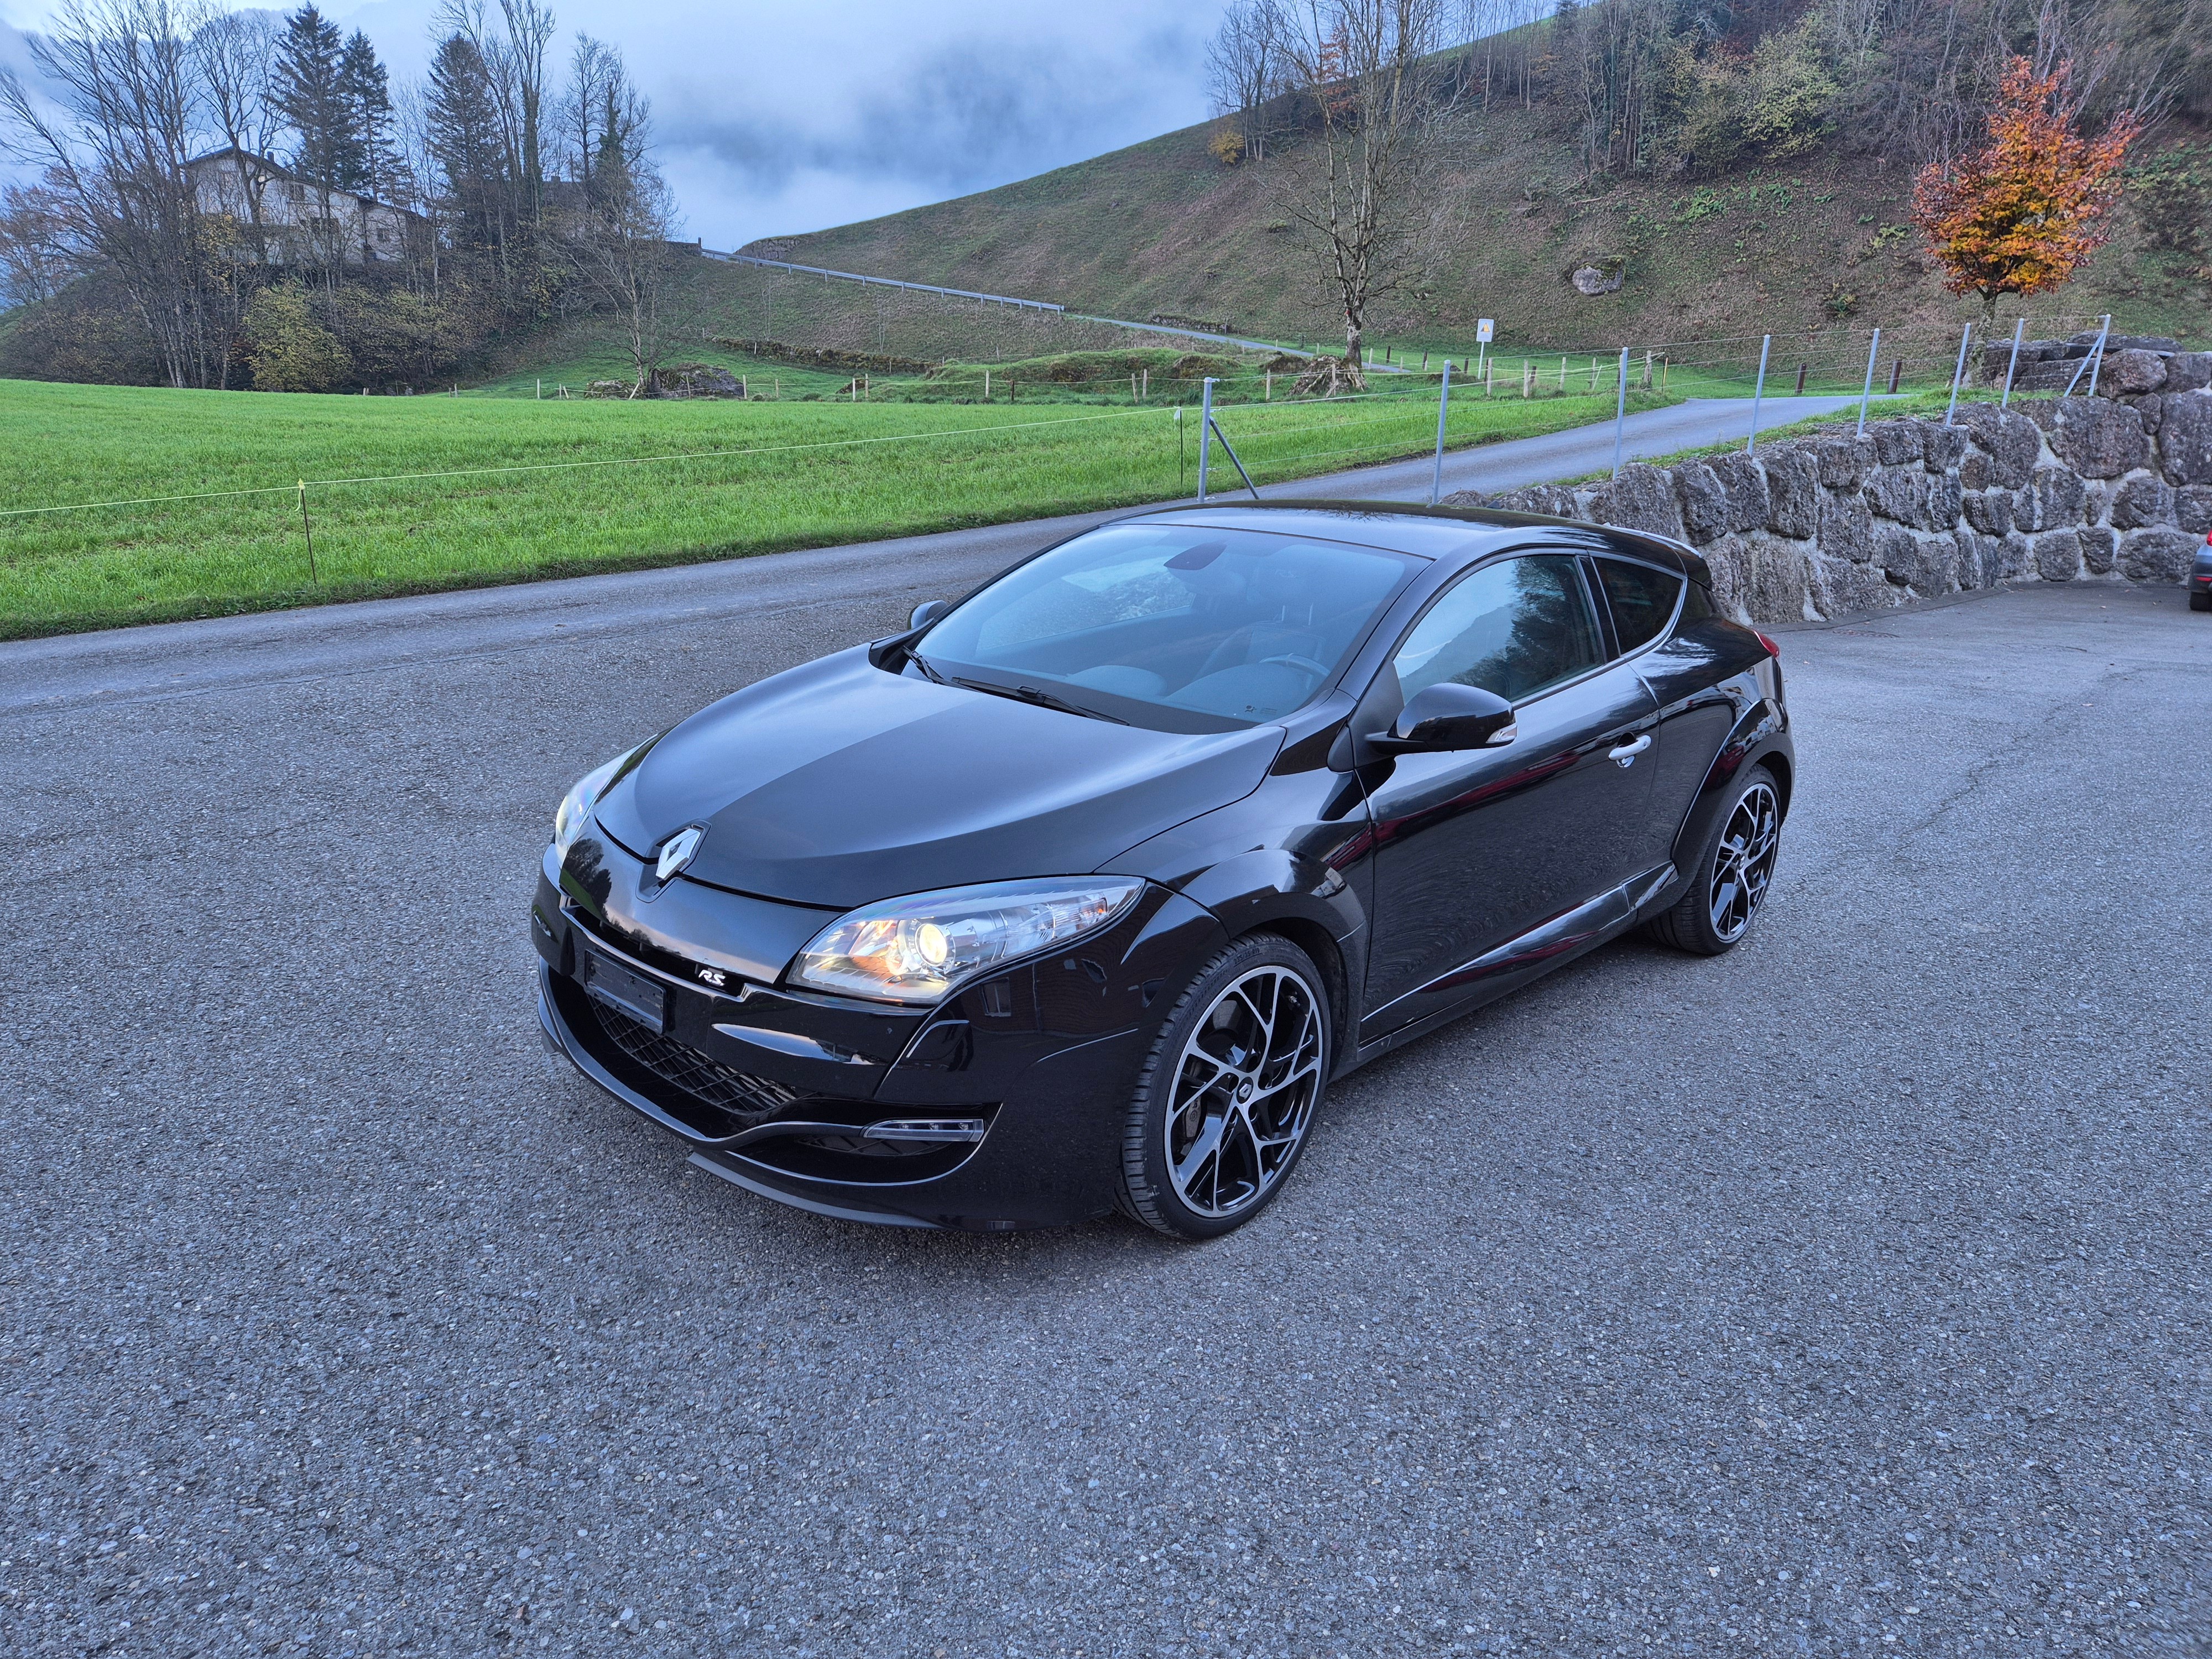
<point x="748" y="1099"/>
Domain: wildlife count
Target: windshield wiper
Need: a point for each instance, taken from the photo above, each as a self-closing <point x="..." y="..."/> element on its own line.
<point x="1043" y="699"/>
<point x="923" y="664"/>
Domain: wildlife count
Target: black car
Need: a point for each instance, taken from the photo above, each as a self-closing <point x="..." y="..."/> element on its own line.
<point x="2200" y="578"/>
<point x="1078" y="893"/>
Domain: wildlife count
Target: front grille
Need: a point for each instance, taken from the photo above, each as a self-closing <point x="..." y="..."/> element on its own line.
<point x="750" y="1100"/>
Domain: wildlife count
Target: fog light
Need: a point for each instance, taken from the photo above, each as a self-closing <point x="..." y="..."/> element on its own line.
<point x="925" y="1129"/>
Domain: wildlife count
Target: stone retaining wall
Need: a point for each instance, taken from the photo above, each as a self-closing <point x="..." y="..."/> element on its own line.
<point x="2056" y="490"/>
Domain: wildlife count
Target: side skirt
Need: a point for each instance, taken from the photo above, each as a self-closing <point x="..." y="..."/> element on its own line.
<point x="1551" y="944"/>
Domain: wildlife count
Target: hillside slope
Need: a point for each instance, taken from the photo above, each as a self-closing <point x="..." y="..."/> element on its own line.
<point x="1163" y="228"/>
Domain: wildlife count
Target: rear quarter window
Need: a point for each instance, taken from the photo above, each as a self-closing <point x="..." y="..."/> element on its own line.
<point x="1642" y="600"/>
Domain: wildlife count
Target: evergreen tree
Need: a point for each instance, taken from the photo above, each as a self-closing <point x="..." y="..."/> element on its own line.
<point x="463" y="141"/>
<point x="310" y="95"/>
<point x="367" y="90"/>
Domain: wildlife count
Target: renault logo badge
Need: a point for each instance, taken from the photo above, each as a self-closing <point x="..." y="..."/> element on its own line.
<point x="676" y="852"/>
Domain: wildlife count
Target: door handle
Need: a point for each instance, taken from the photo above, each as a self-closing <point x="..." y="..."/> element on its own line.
<point x="1625" y="754"/>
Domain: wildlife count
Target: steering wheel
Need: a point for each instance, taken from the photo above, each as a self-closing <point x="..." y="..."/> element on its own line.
<point x="1306" y="663"/>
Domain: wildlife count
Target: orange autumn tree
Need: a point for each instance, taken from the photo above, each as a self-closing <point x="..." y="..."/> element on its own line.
<point x="2021" y="214"/>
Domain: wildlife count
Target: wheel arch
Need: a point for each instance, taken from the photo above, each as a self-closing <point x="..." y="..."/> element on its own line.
<point x="1759" y="738"/>
<point x="1783" y="764"/>
<point x="1321" y="949"/>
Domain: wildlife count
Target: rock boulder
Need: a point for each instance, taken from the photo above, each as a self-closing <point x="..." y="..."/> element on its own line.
<point x="1641" y="498"/>
<point x="2157" y="556"/>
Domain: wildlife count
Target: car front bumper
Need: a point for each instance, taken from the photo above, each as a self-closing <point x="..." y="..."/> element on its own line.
<point x="1001" y="1107"/>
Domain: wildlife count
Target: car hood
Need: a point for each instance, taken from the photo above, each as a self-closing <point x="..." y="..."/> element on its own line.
<point x="837" y="784"/>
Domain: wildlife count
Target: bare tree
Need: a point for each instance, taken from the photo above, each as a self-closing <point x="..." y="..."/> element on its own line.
<point x="1362" y="70"/>
<point x="417" y="170"/>
<point x="115" y="154"/>
<point x="614" y="238"/>
<point x="1244" y="68"/>
<point x="232" y="52"/>
<point x="604" y="121"/>
<point x="521" y="73"/>
<point x="595" y="70"/>
<point x="37" y="255"/>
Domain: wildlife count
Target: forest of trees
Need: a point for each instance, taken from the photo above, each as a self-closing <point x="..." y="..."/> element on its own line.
<point x="1351" y="106"/>
<point x="1698" y="88"/>
<point x="527" y="193"/>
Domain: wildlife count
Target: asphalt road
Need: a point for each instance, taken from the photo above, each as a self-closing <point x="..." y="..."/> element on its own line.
<point x="1844" y="1295"/>
<point x="1573" y="453"/>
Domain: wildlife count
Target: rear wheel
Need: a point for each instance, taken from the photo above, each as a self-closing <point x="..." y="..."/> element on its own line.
<point x="1228" y="1090"/>
<point x="2200" y="601"/>
<point x="1729" y="881"/>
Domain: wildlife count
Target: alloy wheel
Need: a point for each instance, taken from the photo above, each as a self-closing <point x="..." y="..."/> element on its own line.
<point x="1244" y="1091"/>
<point x="1743" y="863"/>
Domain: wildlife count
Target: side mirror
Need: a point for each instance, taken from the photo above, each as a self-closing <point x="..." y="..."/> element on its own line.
<point x="927" y="612"/>
<point x="1448" y="716"/>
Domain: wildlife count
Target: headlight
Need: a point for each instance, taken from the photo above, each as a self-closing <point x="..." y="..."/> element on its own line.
<point x="576" y="805"/>
<point x="917" y="949"/>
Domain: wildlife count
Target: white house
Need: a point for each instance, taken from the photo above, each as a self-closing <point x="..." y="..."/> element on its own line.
<point x="299" y="220"/>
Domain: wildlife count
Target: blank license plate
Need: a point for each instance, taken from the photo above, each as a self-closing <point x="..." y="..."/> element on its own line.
<point x="645" y="1001"/>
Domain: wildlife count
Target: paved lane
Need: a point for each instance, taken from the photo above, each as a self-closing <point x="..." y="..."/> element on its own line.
<point x="1843" y="1294"/>
<point x="1574" y="454"/>
<point x="161" y="660"/>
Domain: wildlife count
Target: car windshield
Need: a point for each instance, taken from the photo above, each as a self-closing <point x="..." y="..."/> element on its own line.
<point x="1189" y="628"/>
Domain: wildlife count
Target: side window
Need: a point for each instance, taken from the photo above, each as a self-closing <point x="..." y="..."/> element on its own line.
<point x="1512" y="627"/>
<point x="1696" y="606"/>
<point x="1642" y="599"/>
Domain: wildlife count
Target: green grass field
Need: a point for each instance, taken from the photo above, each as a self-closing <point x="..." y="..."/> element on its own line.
<point x="591" y="485"/>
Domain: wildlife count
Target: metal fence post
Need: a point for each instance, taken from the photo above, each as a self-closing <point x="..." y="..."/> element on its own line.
<point x="1758" y="392"/>
<point x="1620" y="411"/>
<point x="309" y="528"/>
<point x="1958" y="371"/>
<point x="1205" y="432"/>
<point x="2018" y="329"/>
<point x="1867" y="391"/>
<point x="1444" y="408"/>
<point x="2093" y="362"/>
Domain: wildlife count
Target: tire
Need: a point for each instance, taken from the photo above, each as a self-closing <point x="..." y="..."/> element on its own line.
<point x="1255" y="1018"/>
<point x="2200" y="601"/>
<point x="1728" y="883"/>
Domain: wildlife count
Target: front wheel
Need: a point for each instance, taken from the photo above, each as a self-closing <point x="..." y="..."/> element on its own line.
<point x="1228" y="1090"/>
<point x="1729" y="881"/>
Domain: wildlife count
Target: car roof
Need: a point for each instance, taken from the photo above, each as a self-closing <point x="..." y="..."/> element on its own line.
<point x="1428" y="532"/>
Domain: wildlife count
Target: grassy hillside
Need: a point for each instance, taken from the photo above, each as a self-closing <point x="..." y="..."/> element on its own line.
<point x="185" y="503"/>
<point x="1163" y="228"/>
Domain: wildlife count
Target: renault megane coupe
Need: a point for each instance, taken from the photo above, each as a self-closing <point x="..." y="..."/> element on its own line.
<point x="1078" y="892"/>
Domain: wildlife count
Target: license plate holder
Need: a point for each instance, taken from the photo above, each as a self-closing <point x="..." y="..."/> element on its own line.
<point x="643" y="998"/>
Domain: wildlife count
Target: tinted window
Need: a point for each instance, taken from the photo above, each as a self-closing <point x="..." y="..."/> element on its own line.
<point x="1512" y="627"/>
<point x="1643" y="600"/>
<point x="1233" y="626"/>
<point x="1696" y="605"/>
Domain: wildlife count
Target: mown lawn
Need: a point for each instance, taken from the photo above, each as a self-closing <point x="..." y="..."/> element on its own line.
<point x="594" y="485"/>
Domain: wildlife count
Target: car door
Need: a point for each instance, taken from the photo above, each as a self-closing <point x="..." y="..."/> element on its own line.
<point x="1476" y="849"/>
<point x="1641" y="602"/>
<point x="1690" y="667"/>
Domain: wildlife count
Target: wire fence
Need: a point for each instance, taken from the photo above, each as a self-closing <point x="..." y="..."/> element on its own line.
<point x="829" y="470"/>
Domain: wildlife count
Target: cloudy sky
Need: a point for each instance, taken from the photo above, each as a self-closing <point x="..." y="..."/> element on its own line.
<point x="788" y="117"/>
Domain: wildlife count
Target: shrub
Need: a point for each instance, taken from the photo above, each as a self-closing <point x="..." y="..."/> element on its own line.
<point x="290" y="351"/>
<point x="2171" y="195"/>
<point x="1778" y="102"/>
